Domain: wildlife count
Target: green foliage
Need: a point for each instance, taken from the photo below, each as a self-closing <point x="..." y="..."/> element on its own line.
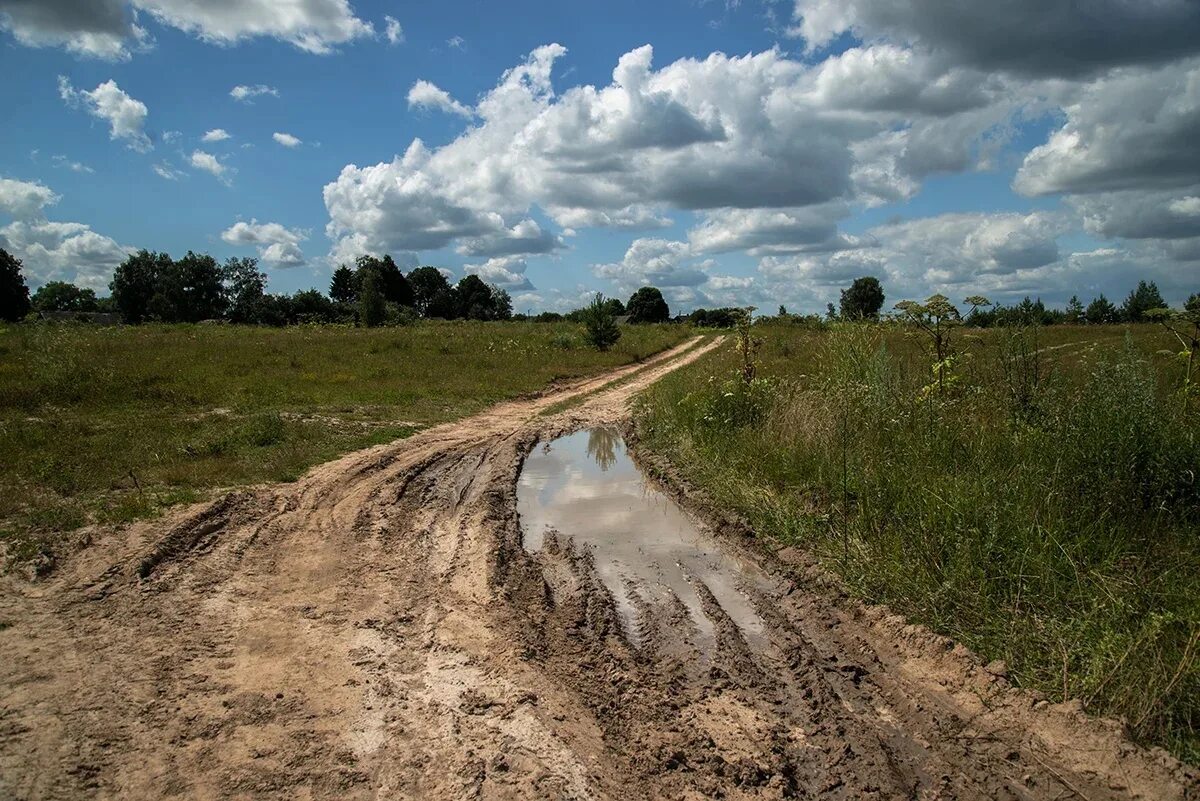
<point x="714" y="318"/>
<point x="62" y="296"/>
<point x="432" y="294"/>
<point x="1044" y="515"/>
<point x="863" y="300"/>
<point x="245" y="287"/>
<point x="389" y="281"/>
<point x="600" y="327"/>
<point x="1101" y="311"/>
<point x="372" y="307"/>
<point x="343" y="287"/>
<point x="14" y="294"/>
<point x="1141" y="300"/>
<point x="480" y="301"/>
<point x="647" y="306"/>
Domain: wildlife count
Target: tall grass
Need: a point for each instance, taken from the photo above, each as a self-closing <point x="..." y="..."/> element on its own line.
<point x="1042" y="506"/>
<point x="111" y="424"/>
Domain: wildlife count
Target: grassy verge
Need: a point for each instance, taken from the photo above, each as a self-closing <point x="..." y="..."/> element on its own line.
<point x="1041" y="507"/>
<point x="112" y="424"/>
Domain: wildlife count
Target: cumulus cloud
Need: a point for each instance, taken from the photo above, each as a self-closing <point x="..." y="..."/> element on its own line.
<point x="1133" y="129"/>
<point x="51" y="250"/>
<point x="426" y="95"/>
<point x="506" y="272"/>
<point x="216" y="135"/>
<point x="104" y="28"/>
<point x="125" y="116"/>
<point x="654" y="262"/>
<point x="246" y="94"/>
<point x="1025" y="37"/>
<point x="24" y="199"/>
<point x="755" y="132"/>
<point x="202" y="160"/>
<point x="524" y="238"/>
<point x="277" y="245"/>
<point x="393" y="31"/>
<point x="286" y="139"/>
<point x="95" y="28"/>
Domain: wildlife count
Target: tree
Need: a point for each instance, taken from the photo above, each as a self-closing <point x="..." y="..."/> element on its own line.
<point x="431" y="291"/>
<point x="615" y="307"/>
<point x="135" y="283"/>
<point x="372" y="308"/>
<point x="647" y="306"/>
<point x="245" y="287"/>
<point x="14" y="294"/>
<point x="195" y="289"/>
<point x="391" y="282"/>
<point x="1140" y="301"/>
<point x="1101" y="311"/>
<point x="599" y="324"/>
<point x="1074" y="312"/>
<point x="480" y="301"/>
<point x="310" y="306"/>
<point x="342" y="287"/>
<point x="863" y="300"/>
<point x="62" y="296"/>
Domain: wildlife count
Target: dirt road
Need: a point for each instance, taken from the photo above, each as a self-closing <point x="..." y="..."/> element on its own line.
<point x="377" y="630"/>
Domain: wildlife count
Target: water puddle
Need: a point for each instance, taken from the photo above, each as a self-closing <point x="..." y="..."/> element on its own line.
<point x="585" y="487"/>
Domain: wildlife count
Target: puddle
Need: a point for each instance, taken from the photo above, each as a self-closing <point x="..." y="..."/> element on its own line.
<point x="585" y="487"/>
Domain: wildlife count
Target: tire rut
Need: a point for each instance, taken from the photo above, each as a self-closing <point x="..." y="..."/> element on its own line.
<point x="377" y="630"/>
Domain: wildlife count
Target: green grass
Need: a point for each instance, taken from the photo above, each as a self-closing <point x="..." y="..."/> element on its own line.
<point x="1043" y="508"/>
<point x="112" y="424"/>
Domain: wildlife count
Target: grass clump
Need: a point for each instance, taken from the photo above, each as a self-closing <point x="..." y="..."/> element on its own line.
<point x="1032" y="493"/>
<point x="109" y="425"/>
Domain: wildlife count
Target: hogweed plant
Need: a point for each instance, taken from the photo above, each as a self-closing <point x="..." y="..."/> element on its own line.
<point x="936" y="317"/>
<point x="747" y="345"/>
<point x="1185" y="325"/>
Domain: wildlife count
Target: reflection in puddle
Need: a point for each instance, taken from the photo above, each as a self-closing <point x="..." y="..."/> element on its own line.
<point x="586" y="487"/>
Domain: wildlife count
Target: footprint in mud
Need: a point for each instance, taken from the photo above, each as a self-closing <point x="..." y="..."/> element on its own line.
<point x="585" y="486"/>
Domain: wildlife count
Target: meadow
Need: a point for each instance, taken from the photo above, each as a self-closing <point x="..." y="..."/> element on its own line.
<point x="107" y="425"/>
<point x="1040" y="504"/>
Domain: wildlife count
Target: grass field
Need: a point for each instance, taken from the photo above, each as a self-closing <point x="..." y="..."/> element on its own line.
<point x="1042" y="506"/>
<point x="111" y="424"/>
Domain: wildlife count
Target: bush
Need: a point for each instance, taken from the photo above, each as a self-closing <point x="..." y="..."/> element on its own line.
<point x="599" y="325"/>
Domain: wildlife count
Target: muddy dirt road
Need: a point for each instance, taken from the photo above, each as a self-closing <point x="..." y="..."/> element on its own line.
<point x="377" y="630"/>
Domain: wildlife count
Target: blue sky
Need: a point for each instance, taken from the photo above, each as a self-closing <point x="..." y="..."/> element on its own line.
<point x="759" y="152"/>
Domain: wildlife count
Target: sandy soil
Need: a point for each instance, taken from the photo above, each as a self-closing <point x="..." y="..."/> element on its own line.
<point x="376" y="630"/>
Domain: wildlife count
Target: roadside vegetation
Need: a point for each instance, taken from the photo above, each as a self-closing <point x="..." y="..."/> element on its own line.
<point x="109" y="424"/>
<point x="1030" y="490"/>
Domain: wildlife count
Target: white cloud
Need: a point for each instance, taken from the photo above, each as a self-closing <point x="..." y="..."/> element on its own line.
<point x="456" y="43"/>
<point x="164" y="170"/>
<point x="277" y="245"/>
<point x="1027" y="37"/>
<point x="216" y="135"/>
<point x="125" y="116"/>
<point x="50" y="250"/>
<point x="654" y="262"/>
<point x="98" y="29"/>
<point x="394" y="31"/>
<point x="506" y="272"/>
<point x="74" y="166"/>
<point x="24" y="199"/>
<point x="1134" y="129"/>
<point x="286" y="139"/>
<point x="315" y="26"/>
<point x="426" y="95"/>
<point x="210" y="164"/>
<point x="246" y="94"/>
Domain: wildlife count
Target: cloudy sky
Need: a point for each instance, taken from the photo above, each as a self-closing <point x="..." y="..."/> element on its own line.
<point x="728" y="152"/>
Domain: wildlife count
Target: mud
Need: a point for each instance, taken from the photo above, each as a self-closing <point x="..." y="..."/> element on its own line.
<point x="377" y="629"/>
